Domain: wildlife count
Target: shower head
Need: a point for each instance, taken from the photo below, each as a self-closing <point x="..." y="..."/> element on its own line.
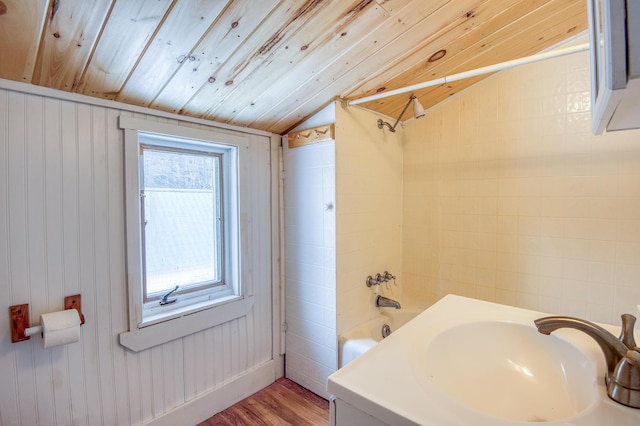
<point x="418" y="111"/>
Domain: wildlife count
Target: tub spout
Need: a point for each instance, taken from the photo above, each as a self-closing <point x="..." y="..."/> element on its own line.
<point x="621" y="355"/>
<point x="385" y="302"/>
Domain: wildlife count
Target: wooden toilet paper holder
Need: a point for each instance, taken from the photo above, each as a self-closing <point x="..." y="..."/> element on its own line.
<point x="19" y="317"/>
<point x="74" y="302"/>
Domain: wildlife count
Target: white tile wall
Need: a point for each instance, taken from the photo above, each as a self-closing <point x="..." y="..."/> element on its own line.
<point x="369" y="213"/>
<point x="509" y="198"/>
<point x="310" y="265"/>
<point x="329" y="253"/>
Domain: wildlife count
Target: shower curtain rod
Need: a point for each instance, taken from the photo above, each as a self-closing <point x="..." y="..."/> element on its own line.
<point x="473" y="73"/>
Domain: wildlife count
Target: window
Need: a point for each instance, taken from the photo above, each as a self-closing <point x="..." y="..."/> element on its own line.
<point x="181" y="213"/>
<point x="182" y="222"/>
<point x="182" y="207"/>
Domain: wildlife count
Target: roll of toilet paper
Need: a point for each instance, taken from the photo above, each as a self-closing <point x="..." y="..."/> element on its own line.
<point x="60" y="328"/>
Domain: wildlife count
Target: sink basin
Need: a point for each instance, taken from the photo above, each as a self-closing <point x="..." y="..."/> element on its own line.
<point x="474" y="363"/>
<point x="510" y="371"/>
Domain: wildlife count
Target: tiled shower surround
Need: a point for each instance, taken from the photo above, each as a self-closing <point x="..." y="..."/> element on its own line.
<point x="508" y="197"/>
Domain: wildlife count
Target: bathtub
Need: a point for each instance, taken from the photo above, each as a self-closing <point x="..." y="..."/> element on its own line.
<point x="363" y="337"/>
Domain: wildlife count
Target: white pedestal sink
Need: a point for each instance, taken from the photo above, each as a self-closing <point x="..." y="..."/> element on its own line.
<point x="474" y="363"/>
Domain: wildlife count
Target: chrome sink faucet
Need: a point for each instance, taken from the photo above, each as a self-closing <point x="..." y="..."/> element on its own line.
<point x="385" y="302"/>
<point x="621" y="354"/>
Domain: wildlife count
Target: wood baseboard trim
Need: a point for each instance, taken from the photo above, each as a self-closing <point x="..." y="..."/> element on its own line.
<point x="201" y="408"/>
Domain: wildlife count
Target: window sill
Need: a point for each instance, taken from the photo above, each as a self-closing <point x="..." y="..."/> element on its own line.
<point x="188" y="309"/>
<point x="156" y="331"/>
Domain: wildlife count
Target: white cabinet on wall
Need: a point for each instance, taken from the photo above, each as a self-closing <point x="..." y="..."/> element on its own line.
<point x="310" y="260"/>
<point x="614" y="27"/>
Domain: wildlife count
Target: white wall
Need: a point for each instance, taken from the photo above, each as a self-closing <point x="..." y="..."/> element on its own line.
<point x="509" y="198"/>
<point x="310" y="259"/>
<point x="369" y="213"/>
<point x="62" y="232"/>
<point x="330" y="252"/>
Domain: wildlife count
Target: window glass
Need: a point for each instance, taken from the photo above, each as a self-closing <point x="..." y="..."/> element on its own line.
<point x="181" y="220"/>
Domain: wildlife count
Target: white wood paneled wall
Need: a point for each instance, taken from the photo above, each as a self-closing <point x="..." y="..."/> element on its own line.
<point x="62" y="232"/>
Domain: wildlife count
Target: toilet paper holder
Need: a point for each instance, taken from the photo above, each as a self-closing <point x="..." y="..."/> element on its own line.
<point x="19" y="318"/>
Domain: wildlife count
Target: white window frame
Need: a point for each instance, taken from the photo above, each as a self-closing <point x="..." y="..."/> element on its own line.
<point x="152" y="311"/>
<point x="192" y="315"/>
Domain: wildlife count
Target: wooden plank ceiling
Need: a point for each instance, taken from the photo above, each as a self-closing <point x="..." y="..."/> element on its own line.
<point x="269" y="64"/>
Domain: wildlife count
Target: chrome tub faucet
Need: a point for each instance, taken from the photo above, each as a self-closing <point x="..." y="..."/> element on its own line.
<point x="385" y="302"/>
<point x="621" y="354"/>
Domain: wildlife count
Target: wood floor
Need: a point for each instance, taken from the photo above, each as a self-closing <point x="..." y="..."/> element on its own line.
<point x="283" y="403"/>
